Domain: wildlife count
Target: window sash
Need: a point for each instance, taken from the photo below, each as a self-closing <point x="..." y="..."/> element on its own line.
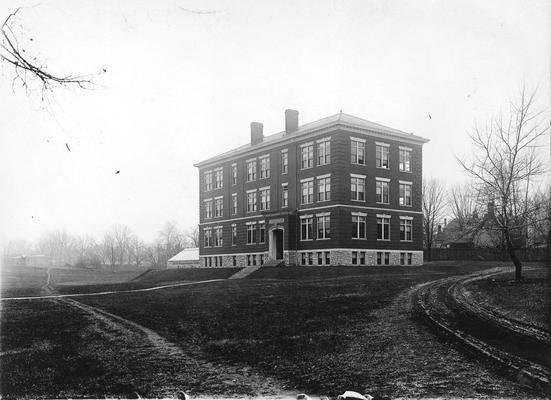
<point x="381" y="156"/>
<point x="357" y="188"/>
<point x="383" y="228"/>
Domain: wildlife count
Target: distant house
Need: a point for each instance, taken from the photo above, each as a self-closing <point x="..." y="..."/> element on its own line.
<point x="33" y="261"/>
<point x="474" y="232"/>
<point x="187" y="258"/>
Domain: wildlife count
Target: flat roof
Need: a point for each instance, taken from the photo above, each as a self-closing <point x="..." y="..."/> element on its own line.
<point x="341" y="119"/>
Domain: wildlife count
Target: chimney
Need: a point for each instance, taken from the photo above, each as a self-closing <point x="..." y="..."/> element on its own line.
<point x="257" y="134"/>
<point x="291" y="121"/>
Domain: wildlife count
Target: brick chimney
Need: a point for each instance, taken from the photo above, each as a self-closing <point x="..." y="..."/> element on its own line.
<point x="257" y="132"/>
<point x="291" y="121"/>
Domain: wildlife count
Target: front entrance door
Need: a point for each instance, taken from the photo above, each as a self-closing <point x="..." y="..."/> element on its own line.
<point x="278" y="237"/>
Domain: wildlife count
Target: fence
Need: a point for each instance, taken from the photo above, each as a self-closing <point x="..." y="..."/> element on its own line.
<point x="488" y="254"/>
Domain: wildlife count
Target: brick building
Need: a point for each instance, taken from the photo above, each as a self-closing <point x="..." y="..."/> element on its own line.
<point x="338" y="191"/>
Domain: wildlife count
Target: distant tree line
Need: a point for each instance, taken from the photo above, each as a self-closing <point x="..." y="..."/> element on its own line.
<point x="118" y="247"/>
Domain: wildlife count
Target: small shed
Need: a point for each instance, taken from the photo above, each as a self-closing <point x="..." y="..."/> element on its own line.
<point x="187" y="258"/>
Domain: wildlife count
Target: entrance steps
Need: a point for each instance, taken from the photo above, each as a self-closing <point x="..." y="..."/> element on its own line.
<point x="274" y="263"/>
<point x="244" y="272"/>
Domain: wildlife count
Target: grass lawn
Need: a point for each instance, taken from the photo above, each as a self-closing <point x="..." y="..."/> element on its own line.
<point x="317" y="333"/>
<point x="529" y="300"/>
<point x="21" y="281"/>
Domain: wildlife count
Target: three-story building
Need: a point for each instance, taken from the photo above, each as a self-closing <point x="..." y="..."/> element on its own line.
<point x="338" y="191"/>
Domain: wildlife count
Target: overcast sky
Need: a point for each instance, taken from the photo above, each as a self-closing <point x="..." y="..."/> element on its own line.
<point x="181" y="87"/>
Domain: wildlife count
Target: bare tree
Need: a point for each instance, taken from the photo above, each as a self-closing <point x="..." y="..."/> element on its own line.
<point x="137" y="251"/>
<point x="505" y="164"/>
<point x="13" y="51"/>
<point x="59" y="245"/>
<point x="192" y="236"/>
<point x="434" y="205"/>
<point x="109" y="250"/>
<point x="122" y="235"/>
<point x="464" y="205"/>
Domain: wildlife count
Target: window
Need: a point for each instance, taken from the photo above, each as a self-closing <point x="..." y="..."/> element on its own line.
<point x="215" y="261"/>
<point x="358" y="226"/>
<point x="254" y="259"/>
<point x="218" y="206"/>
<point x="381" y="155"/>
<point x="284" y="162"/>
<point x="387" y="258"/>
<point x="383" y="227"/>
<point x="357" y="188"/>
<point x="307" y="191"/>
<point x="208" y="208"/>
<point x="262" y="232"/>
<point x="324" y="151"/>
<point x="307" y="156"/>
<point x="248" y="259"/>
<point x="379" y="258"/>
<point x="405" y="159"/>
<point x="357" y="151"/>
<point x="405" y="229"/>
<point x="265" y="199"/>
<point x="324" y="226"/>
<point x="306" y="228"/>
<point x="409" y="258"/>
<point x="324" y="188"/>
<point x="261" y="257"/>
<point x="234" y="235"/>
<point x="382" y="188"/>
<point x="251" y="233"/>
<point x="218" y="236"/>
<point x="354" y="257"/>
<point x="234" y="174"/>
<point x="251" y="201"/>
<point x="285" y="195"/>
<point x="310" y="258"/>
<point x="405" y="193"/>
<point x="208" y="181"/>
<point x="234" y="261"/>
<point x="208" y="237"/>
<point x="234" y="203"/>
<point x="251" y="170"/>
<point x="264" y="167"/>
<point x="327" y="258"/>
<point x="320" y="258"/>
<point x="402" y="258"/>
<point x="218" y="178"/>
<point x="302" y="258"/>
<point x="362" y="257"/>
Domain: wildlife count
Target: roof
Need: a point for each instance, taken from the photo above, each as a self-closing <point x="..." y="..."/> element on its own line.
<point x="340" y="119"/>
<point x="191" y="254"/>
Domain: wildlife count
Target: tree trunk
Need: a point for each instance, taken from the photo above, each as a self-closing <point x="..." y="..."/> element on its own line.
<point x="514" y="258"/>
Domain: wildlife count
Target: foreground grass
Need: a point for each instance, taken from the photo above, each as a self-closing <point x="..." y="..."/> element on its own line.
<point x="320" y="335"/>
<point x="528" y="301"/>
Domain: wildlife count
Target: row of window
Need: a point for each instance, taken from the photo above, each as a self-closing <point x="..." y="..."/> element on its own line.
<point x="383" y="258"/>
<point x="216" y="261"/>
<point x="256" y="231"/>
<point x="323" y="148"/>
<point x="322" y="258"/>
<point x="357" y="193"/>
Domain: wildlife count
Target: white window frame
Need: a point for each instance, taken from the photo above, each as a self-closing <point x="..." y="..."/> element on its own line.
<point x="324" y="182"/>
<point x="325" y="220"/>
<point x="358" y="179"/>
<point x="305" y="222"/>
<point x="264" y="167"/>
<point x="406" y="222"/>
<point x="307" y="184"/>
<point x="264" y="198"/>
<point x="405" y="166"/>
<point x="384" y="221"/>
<point x="208" y="208"/>
<point x="308" y="150"/>
<point x="404" y="188"/>
<point x="380" y="185"/>
<point x="207" y="176"/>
<point x="360" y="217"/>
<point x="251" y="233"/>
<point x="284" y="195"/>
<point x="218" y="207"/>
<point x="251" y="170"/>
<point x="234" y="174"/>
<point x="219" y="178"/>
<point x="284" y="161"/>
<point x="324" y="151"/>
<point x="380" y="150"/>
<point x="234" y="203"/>
<point x="218" y="236"/>
<point x="252" y="206"/>
<point x="356" y="143"/>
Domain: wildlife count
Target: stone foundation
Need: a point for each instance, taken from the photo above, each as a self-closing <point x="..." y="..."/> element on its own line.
<point x="337" y="257"/>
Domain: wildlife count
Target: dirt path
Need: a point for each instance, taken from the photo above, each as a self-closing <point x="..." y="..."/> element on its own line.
<point x="494" y="339"/>
<point x="48" y="291"/>
<point x="412" y="362"/>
